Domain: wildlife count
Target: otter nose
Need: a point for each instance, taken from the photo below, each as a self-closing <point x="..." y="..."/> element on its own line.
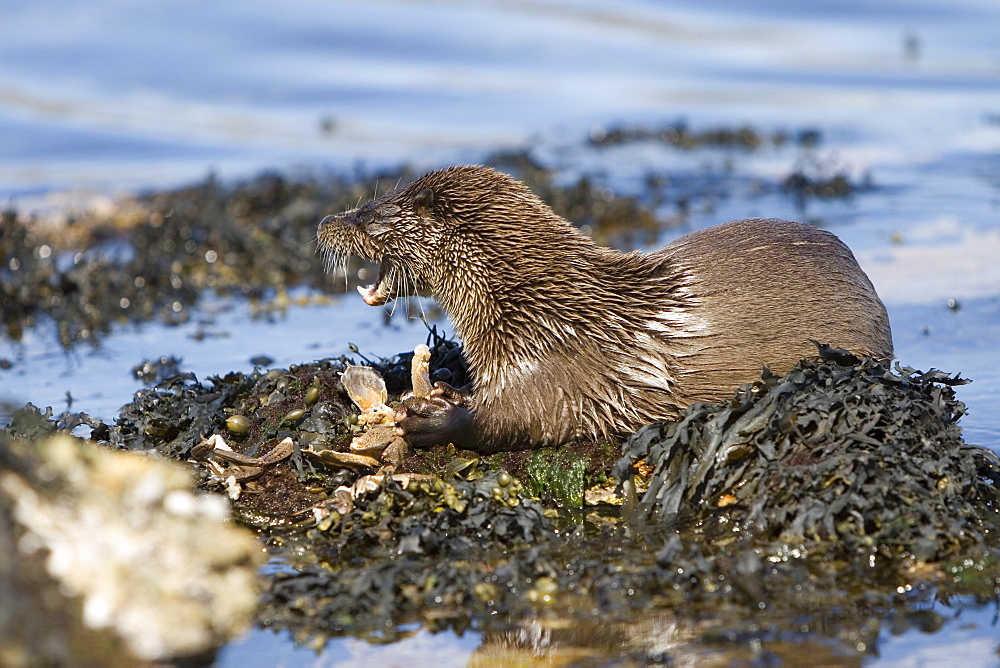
<point x="347" y="218"/>
<point x="359" y="218"/>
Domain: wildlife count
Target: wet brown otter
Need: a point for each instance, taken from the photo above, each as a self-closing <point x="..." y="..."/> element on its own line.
<point x="566" y="339"/>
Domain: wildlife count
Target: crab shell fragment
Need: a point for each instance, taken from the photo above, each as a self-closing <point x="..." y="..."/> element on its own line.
<point x="365" y="387"/>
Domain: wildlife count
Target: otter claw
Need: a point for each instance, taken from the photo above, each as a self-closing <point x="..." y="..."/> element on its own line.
<point x="450" y="394"/>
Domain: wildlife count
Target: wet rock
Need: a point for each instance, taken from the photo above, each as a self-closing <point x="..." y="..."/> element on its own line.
<point x="120" y="550"/>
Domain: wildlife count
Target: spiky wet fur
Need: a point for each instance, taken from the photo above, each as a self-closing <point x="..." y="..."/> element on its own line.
<point x="566" y="339"/>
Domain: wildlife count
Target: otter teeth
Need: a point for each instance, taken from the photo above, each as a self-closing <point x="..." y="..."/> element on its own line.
<point x="372" y="295"/>
<point x="376" y="294"/>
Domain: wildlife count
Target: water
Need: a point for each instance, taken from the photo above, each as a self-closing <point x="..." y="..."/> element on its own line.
<point x="112" y="96"/>
<point x="116" y="94"/>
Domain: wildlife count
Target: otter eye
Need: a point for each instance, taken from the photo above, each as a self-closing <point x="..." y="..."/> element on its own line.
<point x="423" y="202"/>
<point x="382" y="220"/>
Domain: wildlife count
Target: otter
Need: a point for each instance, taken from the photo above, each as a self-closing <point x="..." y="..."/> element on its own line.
<point x="569" y="340"/>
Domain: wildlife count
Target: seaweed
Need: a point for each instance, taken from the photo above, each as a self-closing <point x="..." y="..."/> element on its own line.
<point x="814" y="507"/>
<point x="856" y="462"/>
<point x="679" y="135"/>
<point x="560" y="475"/>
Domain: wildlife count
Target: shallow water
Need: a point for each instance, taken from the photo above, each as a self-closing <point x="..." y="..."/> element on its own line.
<point x="115" y="96"/>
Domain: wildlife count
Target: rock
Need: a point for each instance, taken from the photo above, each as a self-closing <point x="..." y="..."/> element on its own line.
<point x="115" y="545"/>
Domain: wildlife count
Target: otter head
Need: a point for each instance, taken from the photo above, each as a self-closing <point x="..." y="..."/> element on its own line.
<point x="422" y="233"/>
<point x="396" y="230"/>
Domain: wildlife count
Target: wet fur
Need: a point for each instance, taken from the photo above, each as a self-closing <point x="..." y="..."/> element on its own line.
<point x="566" y="339"/>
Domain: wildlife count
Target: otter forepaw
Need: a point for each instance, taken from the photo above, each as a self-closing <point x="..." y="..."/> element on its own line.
<point x="443" y="417"/>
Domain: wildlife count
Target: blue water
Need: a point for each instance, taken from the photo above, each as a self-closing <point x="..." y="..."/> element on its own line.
<point x="113" y="95"/>
<point x="109" y="97"/>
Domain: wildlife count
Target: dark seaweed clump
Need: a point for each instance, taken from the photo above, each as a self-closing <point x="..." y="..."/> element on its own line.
<point x="437" y="551"/>
<point x="815" y="179"/>
<point x="681" y="136"/>
<point x="856" y="461"/>
<point x="156" y="256"/>
<point x="809" y="178"/>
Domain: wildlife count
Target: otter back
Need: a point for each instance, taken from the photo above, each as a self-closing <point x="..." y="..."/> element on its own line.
<point x="760" y="291"/>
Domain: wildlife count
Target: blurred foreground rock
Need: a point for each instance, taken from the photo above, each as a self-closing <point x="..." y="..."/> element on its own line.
<point x="110" y="557"/>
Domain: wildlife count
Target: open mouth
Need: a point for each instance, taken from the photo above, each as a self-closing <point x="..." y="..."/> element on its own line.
<point x="393" y="282"/>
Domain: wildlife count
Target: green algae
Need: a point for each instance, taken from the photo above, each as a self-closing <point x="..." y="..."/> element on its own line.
<point x="557" y="475"/>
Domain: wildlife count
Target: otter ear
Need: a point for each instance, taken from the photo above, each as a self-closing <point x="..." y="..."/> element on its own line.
<point x="423" y="202"/>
